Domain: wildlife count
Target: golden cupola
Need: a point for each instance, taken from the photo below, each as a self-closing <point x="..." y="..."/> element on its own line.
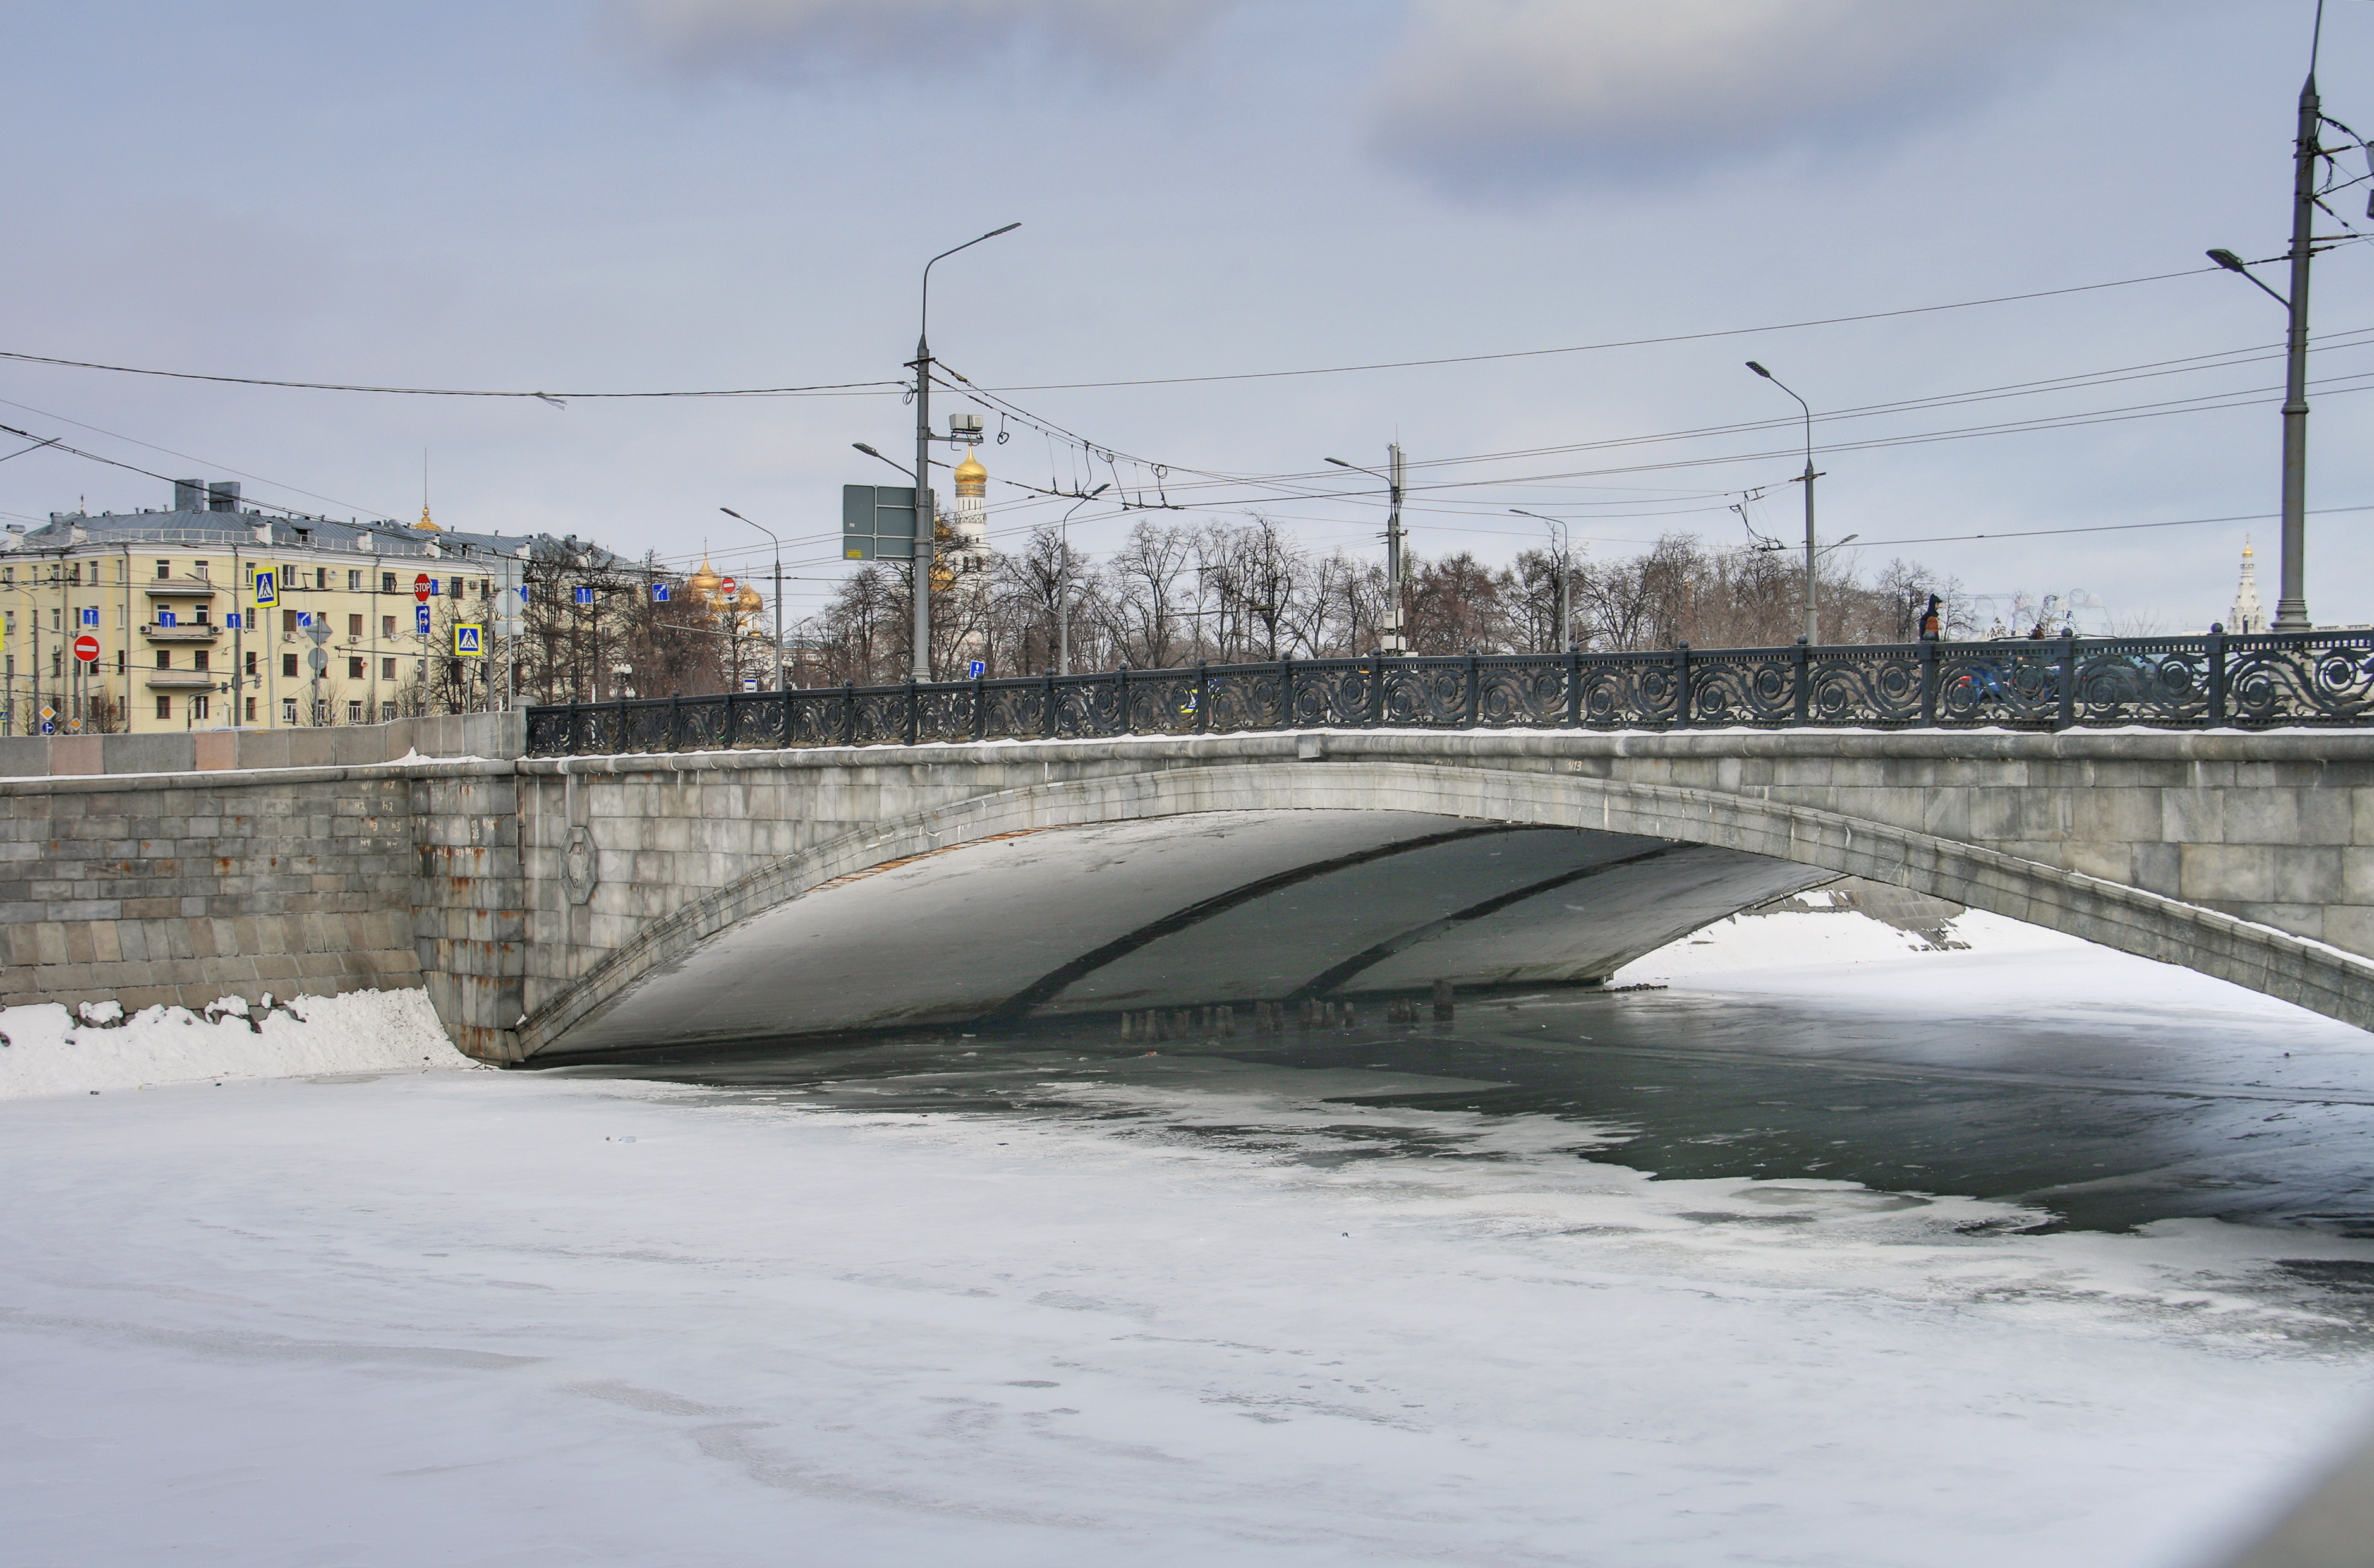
<point x="704" y="582"/>
<point x="972" y="479"/>
<point x="748" y="600"/>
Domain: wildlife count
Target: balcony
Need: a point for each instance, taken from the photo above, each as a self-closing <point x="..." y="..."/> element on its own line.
<point x="201" y="631"/>
<point x="179" y="588"/>
<point x="182" y="680"/>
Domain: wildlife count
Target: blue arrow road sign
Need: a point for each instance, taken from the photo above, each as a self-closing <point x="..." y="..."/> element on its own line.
<point x="420" y="618"/>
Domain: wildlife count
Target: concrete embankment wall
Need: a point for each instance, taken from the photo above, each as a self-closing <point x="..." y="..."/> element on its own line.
<point x="180" y="888"/>
<point x="205" y="751"/>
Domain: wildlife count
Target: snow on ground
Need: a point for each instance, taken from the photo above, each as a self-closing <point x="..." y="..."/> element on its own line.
<point x="48" y="1050"/>
<point x="520" y="1320"/>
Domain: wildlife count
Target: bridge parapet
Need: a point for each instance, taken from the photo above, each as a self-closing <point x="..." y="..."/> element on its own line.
<point x="2310" y="679"/>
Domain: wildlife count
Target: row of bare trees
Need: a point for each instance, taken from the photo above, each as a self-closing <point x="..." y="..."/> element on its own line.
<point x="1245" y="592"/>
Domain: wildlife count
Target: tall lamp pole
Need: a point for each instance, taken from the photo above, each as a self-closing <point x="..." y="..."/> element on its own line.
<point x="769" y="533"/>
<point x="1393" y="641"/>
<point x="2291" y="603"/>
<point x="1562" y="538"/>
<point x="1812" y="619"/>
<point x="920" y="665"/>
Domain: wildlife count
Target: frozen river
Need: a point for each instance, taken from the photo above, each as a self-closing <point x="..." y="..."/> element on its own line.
<point x="2024" y="1254"/>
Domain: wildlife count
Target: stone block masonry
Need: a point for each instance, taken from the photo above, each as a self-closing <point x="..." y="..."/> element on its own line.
<point x="182" y="888"/>
<point x="522" y="892"/>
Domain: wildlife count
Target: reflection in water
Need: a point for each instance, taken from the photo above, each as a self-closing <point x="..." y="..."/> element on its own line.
<point x="2102" y="1121"/>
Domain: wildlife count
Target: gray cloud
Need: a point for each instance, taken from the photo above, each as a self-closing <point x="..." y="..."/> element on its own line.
<point x="806" y="39"/>
<point x="1498" y="98"/>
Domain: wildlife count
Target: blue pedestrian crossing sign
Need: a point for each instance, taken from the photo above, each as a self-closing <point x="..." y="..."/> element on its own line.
<point x="267" y="588"/>
<point x="420" y="619"/>
<point x="469" y="641"/>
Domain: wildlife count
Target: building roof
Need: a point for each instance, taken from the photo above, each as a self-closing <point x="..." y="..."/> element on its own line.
<point x="213" y="528"/>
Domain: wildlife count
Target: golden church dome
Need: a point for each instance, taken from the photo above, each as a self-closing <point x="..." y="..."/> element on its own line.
<point x="425" y="523"/>
<point x="704" y="581"/>
<point x="748" y="600"/>
<point x="972" y="479"/>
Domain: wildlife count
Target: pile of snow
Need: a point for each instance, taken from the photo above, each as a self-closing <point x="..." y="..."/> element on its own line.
<point x="45" y="1049"/>
<point x="1804" y="939"/>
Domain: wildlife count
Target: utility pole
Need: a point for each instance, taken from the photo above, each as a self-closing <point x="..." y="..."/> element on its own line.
<point x="919" y="568"/>
<point x="1561" y="537"/>
<point x="1390" y="640"/>
<point x="2291" y="603"/>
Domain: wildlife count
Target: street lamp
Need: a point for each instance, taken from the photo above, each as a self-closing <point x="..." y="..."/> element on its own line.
<point x="1566" y="605"/>
<point x="769" y="533"/>
<point x="1063" y="594"/>
<point x="1813" y="629"/>
<point x="2291" y="603"/>
<point x="920" y="568"/>
<point x="1393" y="641"/>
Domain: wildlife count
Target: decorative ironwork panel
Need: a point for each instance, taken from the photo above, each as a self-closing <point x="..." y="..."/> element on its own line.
<point x="1247" y="696"/>
<point x="1875" y="687"/>
<point x="1015" y="711"/>
<point x="1519" y="692"/>
<point x="1424" y="694"/>
<point x="2320" y="679"/>
<point x="2011" y="684"/>
<point x="946" y="713"/>
<point x="2163" y="682"/>
<point x="1160" y="703"/>
<point x="1627" y="691"/>
<point x="1732" y="688"/>
<point x="879" y="716"/>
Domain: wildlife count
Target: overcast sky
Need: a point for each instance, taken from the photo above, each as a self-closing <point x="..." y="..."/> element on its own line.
<point x="690" y="195"/>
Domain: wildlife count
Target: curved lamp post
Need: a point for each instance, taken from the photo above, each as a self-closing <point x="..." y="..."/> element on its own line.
<point x="1812" y="620"/>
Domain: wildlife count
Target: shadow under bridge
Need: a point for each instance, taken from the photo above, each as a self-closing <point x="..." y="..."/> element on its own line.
<point x="1232" y="907"/>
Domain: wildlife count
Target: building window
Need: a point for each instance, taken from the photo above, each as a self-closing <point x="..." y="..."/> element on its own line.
<point x="56" y="623"/>
<point x="387" y="582"/>
<point x="289" y="665"/>
<point x="354" y="713"/>
<point x="354" y="582"/>
<point x="200" y="568"/>
<point x="387" y="669"/>
<point x="354" y="627"/>
<point x="198" y="709"/>
<point x="164" y="659"/>
<point x="200" y="611"/>
<point x="164" y="570"/>
<point x="250" y="663"/>
<point x="287" y="620"/>
<point x="485" y="589"/>
<point x="288" y="710"/>
<point x="321" y="577"/>
<point x="387" y="713"/>
<point x="288" y="575"/>
<point x="164" y="707"/>
<point x="197" y="658"/>
<point x="250" y="710"/>
<point x="321" y="712"/>
<point x="119" y="661"/>
<point x="7" y="577"/>
<point x="387" y="626"/>
<point x="354" y="669"/>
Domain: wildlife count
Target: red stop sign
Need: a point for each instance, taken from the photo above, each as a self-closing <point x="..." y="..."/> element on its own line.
<point x="86" y="649"/>
<point x="420" y="588"/>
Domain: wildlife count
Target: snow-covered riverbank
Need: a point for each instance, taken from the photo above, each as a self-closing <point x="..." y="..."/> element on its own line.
<point x="49" y="1051"/>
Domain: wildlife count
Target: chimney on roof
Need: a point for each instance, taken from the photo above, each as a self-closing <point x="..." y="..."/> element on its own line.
<point x="222" y="495"/>
<point x="188" y="495"/>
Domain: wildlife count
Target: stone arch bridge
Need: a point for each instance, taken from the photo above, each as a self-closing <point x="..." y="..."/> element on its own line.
<point x="560" y="906"/>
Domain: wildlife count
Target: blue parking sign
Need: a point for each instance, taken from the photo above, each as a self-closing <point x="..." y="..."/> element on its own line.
<point x="977" y="669"/>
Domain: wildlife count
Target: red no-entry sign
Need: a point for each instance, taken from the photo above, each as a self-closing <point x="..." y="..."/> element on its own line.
<point x="420" y="588"/>
<point x="86" y="649"/>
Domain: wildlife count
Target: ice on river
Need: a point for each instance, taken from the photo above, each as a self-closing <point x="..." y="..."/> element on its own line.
<point x="1204" y="1311"/>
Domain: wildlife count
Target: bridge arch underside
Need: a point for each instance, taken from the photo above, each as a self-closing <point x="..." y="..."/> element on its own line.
<point x="1278" y="881"/>
<point x="1210" y="907"/>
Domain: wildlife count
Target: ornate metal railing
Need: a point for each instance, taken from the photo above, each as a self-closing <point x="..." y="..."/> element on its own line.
<point x="2255" y="682"/>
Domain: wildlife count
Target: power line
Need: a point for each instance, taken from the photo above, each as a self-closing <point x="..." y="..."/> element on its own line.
<point x="1596" y="347"/>
<point x="829" y="389"/>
